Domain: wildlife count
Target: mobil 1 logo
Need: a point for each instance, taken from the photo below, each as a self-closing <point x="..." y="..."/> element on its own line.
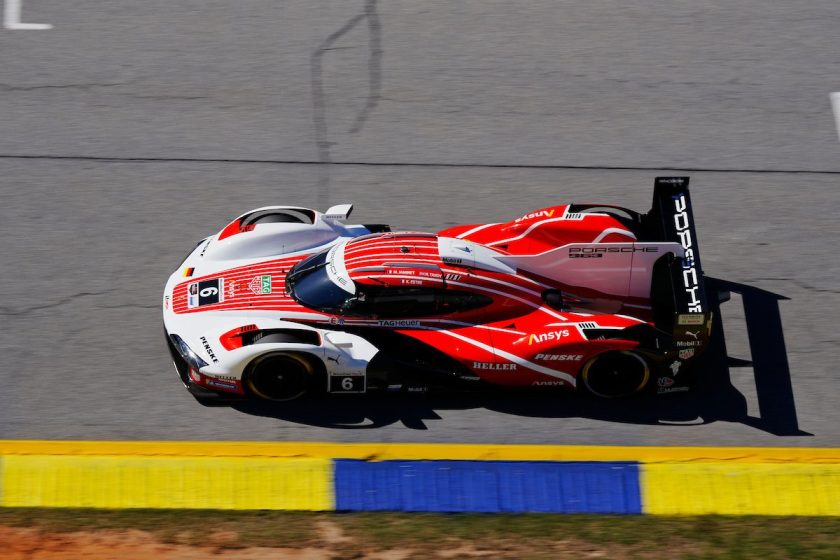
<point x="205" y="292"/>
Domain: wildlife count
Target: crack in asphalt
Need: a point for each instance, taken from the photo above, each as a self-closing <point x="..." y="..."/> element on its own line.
<point x="319" y="108"/>
<point x="667" y="168"/>
<point x="10" y="312"/>
<point x="9" y="87"/>
<point x="164" y="97"/>
<point x="374" y="66"/>
<point x="86" y="86"/>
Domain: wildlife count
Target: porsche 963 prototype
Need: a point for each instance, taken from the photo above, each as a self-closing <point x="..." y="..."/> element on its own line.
<point x="287" y="301"/>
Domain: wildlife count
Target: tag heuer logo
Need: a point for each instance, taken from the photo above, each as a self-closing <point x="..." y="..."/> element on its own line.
<point x="261" y="285"/>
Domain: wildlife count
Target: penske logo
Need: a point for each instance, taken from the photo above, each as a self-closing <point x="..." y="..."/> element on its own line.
<point x="209" y="350"/>
<point x="532" y="215"/>
<point x="538" y="338"/>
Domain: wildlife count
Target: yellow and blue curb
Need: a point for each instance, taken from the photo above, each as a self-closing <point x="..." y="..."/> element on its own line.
<point x="420" y="477"/>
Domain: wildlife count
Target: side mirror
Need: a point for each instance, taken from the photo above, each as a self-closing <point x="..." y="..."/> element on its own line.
<point x="554" y="299"/>
<point x="339" y="341"/>
<point x="338" y="212"/>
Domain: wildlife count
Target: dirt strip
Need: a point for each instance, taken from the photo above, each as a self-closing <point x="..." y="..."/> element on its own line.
<point x="131" y="544"/>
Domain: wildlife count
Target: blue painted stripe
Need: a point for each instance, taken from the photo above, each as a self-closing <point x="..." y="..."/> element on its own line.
<point x="487" y="486"/>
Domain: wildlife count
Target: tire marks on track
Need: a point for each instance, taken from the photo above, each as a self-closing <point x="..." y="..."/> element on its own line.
<point x="319" y="106"/>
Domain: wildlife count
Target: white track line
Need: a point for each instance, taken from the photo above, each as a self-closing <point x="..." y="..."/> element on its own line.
<point x="11" y="17"/>
<point x="835" y="104"/>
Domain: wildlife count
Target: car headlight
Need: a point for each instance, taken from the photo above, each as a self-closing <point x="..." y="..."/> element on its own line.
<point x="187" y="353"/>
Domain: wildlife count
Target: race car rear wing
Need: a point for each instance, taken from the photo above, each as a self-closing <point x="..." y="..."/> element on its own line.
<point x="671" y="219"/>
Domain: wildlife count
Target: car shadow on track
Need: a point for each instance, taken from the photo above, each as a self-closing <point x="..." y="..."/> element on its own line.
<point x="774" y="388"/>
<point x="714" y="399"/>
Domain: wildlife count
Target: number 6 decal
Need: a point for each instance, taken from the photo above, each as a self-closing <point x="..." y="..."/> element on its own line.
<point x="205" y="292"/>
<point x="347" y="383"/>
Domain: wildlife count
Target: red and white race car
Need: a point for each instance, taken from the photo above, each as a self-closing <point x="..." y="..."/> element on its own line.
<point x="286" y="301"/>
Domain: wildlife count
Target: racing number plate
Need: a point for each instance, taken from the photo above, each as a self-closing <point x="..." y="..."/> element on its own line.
<point x="347" y="383"/>
<point x="206" y="292"/>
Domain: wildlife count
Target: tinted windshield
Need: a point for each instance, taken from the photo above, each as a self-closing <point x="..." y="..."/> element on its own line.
<point x="310" y="285"/>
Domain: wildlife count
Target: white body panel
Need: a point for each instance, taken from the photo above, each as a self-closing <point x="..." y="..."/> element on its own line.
<point x="467" y="253"/>
<point x="619" y="269"/>
<point x="340" y="352"/>
<point x="272" y="239"/>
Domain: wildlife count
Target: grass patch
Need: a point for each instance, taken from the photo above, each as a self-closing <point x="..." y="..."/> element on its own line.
<point x="510" y="536"/>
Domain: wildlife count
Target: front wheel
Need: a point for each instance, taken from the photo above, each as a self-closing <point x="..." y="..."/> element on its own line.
<point x="280" y="377"/>
<point x="615" y="374"/>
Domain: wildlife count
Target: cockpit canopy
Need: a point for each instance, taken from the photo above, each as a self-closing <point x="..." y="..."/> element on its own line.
<point x="396" y="289"/>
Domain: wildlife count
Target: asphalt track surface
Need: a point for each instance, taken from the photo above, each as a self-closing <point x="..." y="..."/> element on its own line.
<point x="132" y="129"/>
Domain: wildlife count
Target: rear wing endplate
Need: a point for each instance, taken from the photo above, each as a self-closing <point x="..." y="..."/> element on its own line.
<point x="671" y="219"/>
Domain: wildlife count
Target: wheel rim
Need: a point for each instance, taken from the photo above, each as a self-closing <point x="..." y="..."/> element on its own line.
<point x="280" y="377"/>
<point x="616" y="374"/>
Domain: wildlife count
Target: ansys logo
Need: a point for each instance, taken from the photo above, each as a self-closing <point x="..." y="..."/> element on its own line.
<point x="540" y="214"/>
<point x="260" y="285"/>
<point x="543" y="337"/>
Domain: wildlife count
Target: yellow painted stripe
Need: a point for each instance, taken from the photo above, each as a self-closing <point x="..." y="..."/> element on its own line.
<point x="740" y="489"/>
<point x="386" y="451"/>
<point x="115" y="481"/>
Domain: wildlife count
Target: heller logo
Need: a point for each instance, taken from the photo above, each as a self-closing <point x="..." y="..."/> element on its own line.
<point x="493" y="366"/>
<point x="261" y="285"/>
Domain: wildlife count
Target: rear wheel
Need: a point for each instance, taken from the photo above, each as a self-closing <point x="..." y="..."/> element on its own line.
<point x="281" y="377"/>
<point x="615" y="374"/>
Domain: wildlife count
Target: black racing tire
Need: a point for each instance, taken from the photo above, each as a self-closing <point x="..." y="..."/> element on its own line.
<point x="616" y="374"/>
<point x="280" y="376"/>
